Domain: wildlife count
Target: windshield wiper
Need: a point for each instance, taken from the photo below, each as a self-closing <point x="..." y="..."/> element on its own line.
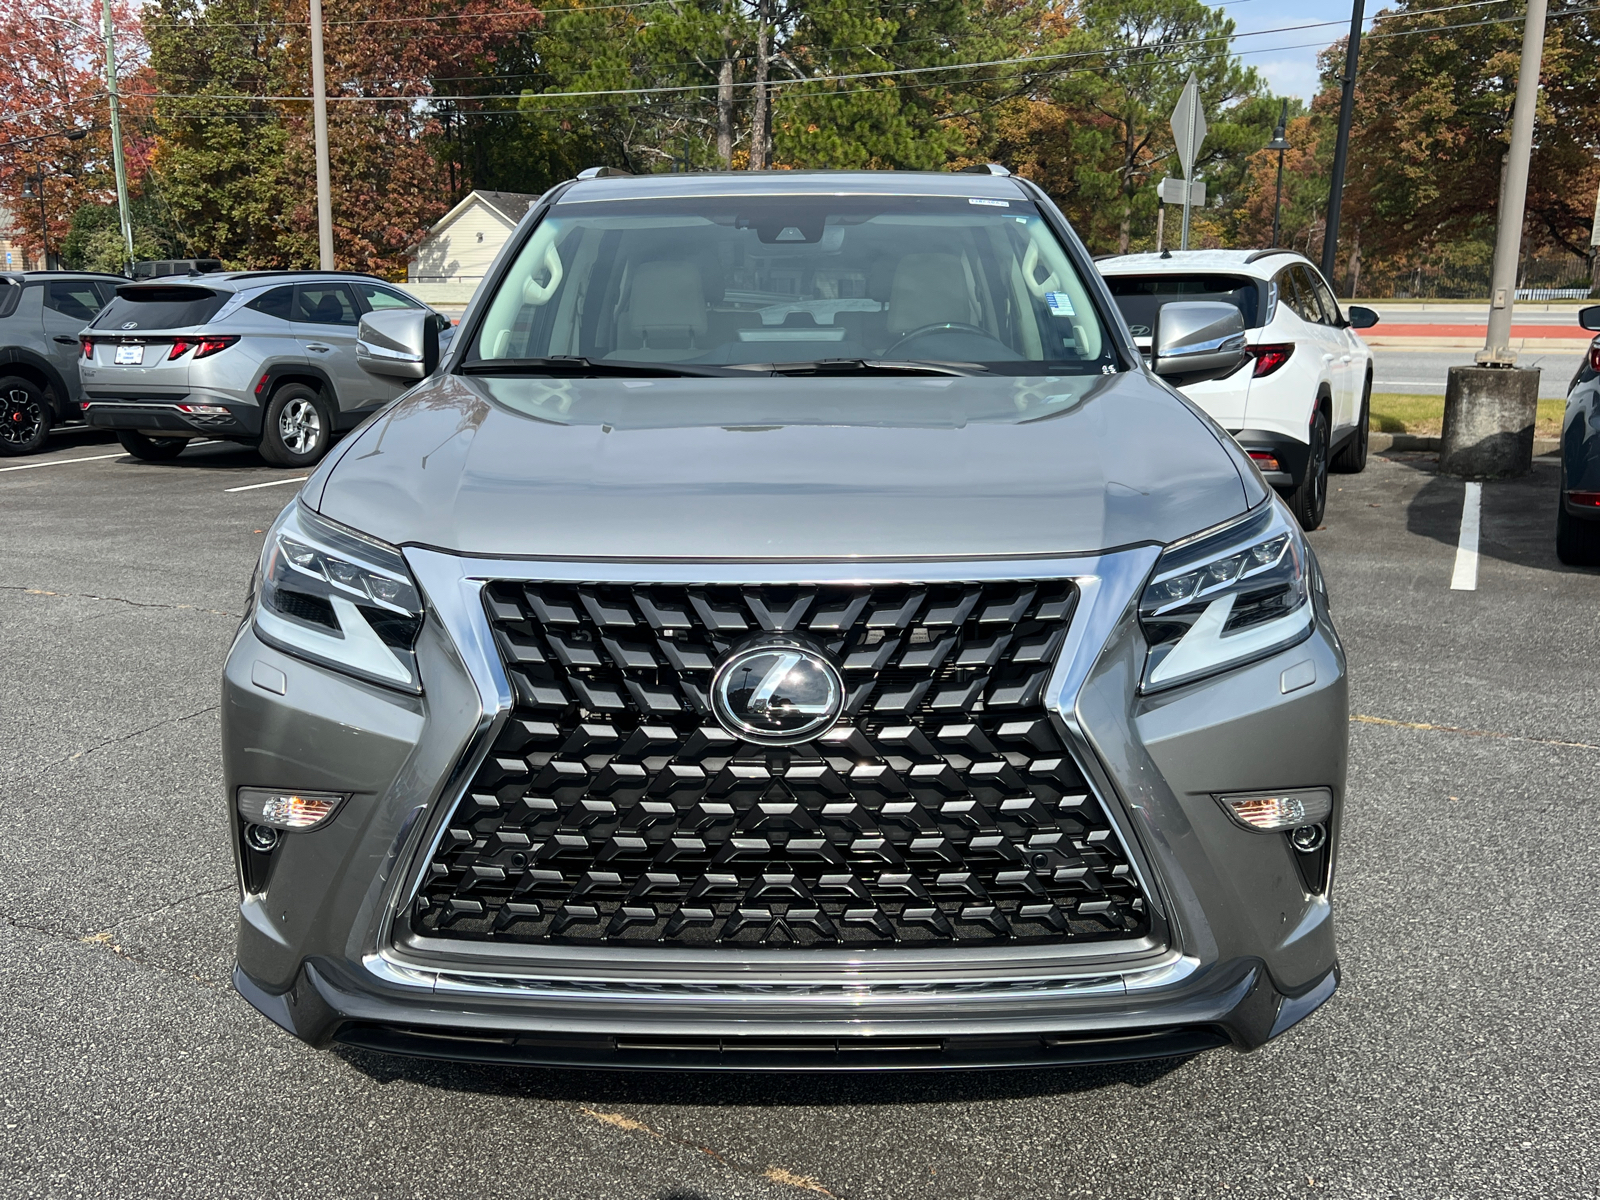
<point x="863" y="366"/>
<point x="571" y="364"/>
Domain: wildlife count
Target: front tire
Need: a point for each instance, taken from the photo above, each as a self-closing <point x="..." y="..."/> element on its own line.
<point x="1352" y="456"/>
<point x="297" y="428"/>
<point x="1309" y="500"/>
<point x="149" y="449"/>
<point x="24" y="417"/>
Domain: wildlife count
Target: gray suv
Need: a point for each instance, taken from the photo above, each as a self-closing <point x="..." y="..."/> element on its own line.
<point x="793" y="629"/>
<point x="267" y="358"/>
<point x="41" y="313"/>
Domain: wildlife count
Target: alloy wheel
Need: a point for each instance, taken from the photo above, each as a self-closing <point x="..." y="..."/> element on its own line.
<point x="20" y="417"/>
<point x="300" y="426"/>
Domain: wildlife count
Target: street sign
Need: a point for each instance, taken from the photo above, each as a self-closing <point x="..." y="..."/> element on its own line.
<point x="1188" y="126"/>
<point x="1172" y="192"/>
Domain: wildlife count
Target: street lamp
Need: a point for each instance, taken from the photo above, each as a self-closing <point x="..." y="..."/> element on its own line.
<point x="36" y="182"/>
<point x="1280" y="144"/>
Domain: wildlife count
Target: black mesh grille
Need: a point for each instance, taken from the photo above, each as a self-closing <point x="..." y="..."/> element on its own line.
<point x="943" y="806"/>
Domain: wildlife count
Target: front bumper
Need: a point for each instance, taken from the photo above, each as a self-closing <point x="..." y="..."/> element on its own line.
<point x="167" y="418"/>
<point x="1240" y="952"/>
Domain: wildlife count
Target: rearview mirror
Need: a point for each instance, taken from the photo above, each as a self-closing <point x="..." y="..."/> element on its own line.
<point x="1197" y="340"/>
<point x="1361" y="318"/>
<point x="1589" y="318"/>
<point x="402" y="343"/>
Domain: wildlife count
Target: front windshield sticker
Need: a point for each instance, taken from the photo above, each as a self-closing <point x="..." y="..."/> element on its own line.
<point x="1060" y="304"/>
<point x="990" y="203"/>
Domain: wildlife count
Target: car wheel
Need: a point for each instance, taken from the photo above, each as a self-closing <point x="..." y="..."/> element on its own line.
<point x="297" y="428"/>
<point x="1577" y="540"/>
<point x="151" y="449"/>
<point x="24" y="417"/>
<point x="1352" y="456"/>
<point x="1310" y="500"/>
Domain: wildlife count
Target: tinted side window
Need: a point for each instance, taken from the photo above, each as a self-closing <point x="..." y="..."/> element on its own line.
<point x="279" y="302"/>
<point x="158" y="306"/>
<point x="73" y="298"/>
<point x="325" y="304"/>
<point x="1330" y="307"/>
<point x="379" y="298"/>
<point x="1309" y="297"/>
<point x="1289" y="295"/>
<point x="10" y="293"/>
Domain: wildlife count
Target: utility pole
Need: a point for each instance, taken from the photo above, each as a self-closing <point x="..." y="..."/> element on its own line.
<point x="1341" y="148"/>
<point x="1508" y="234"/>
<point x="116" y="138"/>
<point x="1489" y="409"/>
<point x="319" y="122"/>
<point x="1280" y="143"/>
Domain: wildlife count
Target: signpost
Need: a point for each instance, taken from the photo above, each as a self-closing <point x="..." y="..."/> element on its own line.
<point x="1188" y="132"/>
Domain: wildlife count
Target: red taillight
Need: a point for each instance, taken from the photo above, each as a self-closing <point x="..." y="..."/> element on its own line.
<point x="201" y="346"/>
<point x="1586" y="499"/>
<point x="1265" y="460"/>
<point x="1594" y="355"/>
<point x="1269" y="358"/>
<point x="88" y="349"/>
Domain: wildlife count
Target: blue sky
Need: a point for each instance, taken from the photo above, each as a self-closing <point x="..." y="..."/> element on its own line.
<point x="1290" y="72"/>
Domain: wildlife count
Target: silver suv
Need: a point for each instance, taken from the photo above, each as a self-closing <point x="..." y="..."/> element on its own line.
<point x="41" y="313"/>
<point x="267" y="358"/>
<point x="794" y="628"/>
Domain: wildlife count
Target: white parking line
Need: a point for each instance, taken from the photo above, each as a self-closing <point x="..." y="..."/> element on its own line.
<point x="250" y="487"/>
<point x="62" y="462"/>
<point x="1465" y="576"/>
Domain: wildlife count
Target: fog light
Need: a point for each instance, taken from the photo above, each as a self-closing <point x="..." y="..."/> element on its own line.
<point x="262" y="837"/>
<point x="209" y="409"/>
<point x="1308" y="839"/>
<point x="287" y="810"/>
<point x="1269" y="812"/>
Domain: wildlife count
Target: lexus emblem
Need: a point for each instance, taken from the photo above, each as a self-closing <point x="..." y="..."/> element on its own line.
<point x="777" y="692"/>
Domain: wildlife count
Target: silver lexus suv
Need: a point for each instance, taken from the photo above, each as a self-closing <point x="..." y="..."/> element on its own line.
<point x="794" y="628"/>
<point x="267" y="358"/>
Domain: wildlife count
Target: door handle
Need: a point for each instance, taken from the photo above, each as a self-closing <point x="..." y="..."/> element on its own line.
<point x="65" y="341"/>
<point x="318" y="347"/>
<point x="1327" y="358"/>
<point x="1345" y="358"/>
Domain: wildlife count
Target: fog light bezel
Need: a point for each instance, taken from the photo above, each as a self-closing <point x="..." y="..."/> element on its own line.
<point x="1315" y="807"/>
<point x="267" y="807"/>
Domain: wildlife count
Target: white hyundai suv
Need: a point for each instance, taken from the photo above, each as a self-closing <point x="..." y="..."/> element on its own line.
<point x="1299" y="406"/>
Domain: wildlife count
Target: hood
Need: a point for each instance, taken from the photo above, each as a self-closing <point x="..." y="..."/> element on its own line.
<point x="785" y="468"/>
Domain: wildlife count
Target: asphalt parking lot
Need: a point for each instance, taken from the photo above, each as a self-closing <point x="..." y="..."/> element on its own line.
<point x="1459" y="1058"/>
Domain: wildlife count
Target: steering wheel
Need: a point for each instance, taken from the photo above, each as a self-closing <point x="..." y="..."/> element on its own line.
<point x="937" y="327"/>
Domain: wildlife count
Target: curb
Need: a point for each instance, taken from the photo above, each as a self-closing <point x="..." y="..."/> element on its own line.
<point x="1378" y="443"/>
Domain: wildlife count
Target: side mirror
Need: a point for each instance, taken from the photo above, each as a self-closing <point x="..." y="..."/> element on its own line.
<point x="1589" y="318"/>
<point x="401" y="343"/>
<point x="1196" y="341"/>
<point x="1360" y="318"/>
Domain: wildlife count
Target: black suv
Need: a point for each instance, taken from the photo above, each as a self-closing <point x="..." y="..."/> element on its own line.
<point x="41" y="314"/>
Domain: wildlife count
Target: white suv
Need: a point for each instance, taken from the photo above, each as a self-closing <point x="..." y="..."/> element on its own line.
<point x="1299" y="406"/>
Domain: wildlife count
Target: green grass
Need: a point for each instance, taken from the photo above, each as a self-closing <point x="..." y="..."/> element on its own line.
<point x="1402" y="412"/>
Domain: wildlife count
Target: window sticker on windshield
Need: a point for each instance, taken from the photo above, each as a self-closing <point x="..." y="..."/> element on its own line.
<point x="990" y="203"/>
<point x="1060" y="304"/>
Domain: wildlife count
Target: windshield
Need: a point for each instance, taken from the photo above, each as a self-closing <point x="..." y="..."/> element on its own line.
<point x="717" y="281"/>
<point x="1140" y="297"/>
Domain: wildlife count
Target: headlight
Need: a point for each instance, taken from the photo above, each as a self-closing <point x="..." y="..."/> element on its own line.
<point x="339" y="598"/>
<point x="1225" y="597"/>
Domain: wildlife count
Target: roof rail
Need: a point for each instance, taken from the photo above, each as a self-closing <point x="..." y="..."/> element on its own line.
<point x="983" y="169"/>
<point x="602" y="172"/>
<point x="1268" y="253"/>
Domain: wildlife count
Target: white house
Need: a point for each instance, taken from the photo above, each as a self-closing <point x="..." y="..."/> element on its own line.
<point x="462" y="244"/>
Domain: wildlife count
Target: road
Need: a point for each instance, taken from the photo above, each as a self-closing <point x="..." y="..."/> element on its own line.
<point x="1423" y="371"/>
<point x="1458" y="1059"/>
